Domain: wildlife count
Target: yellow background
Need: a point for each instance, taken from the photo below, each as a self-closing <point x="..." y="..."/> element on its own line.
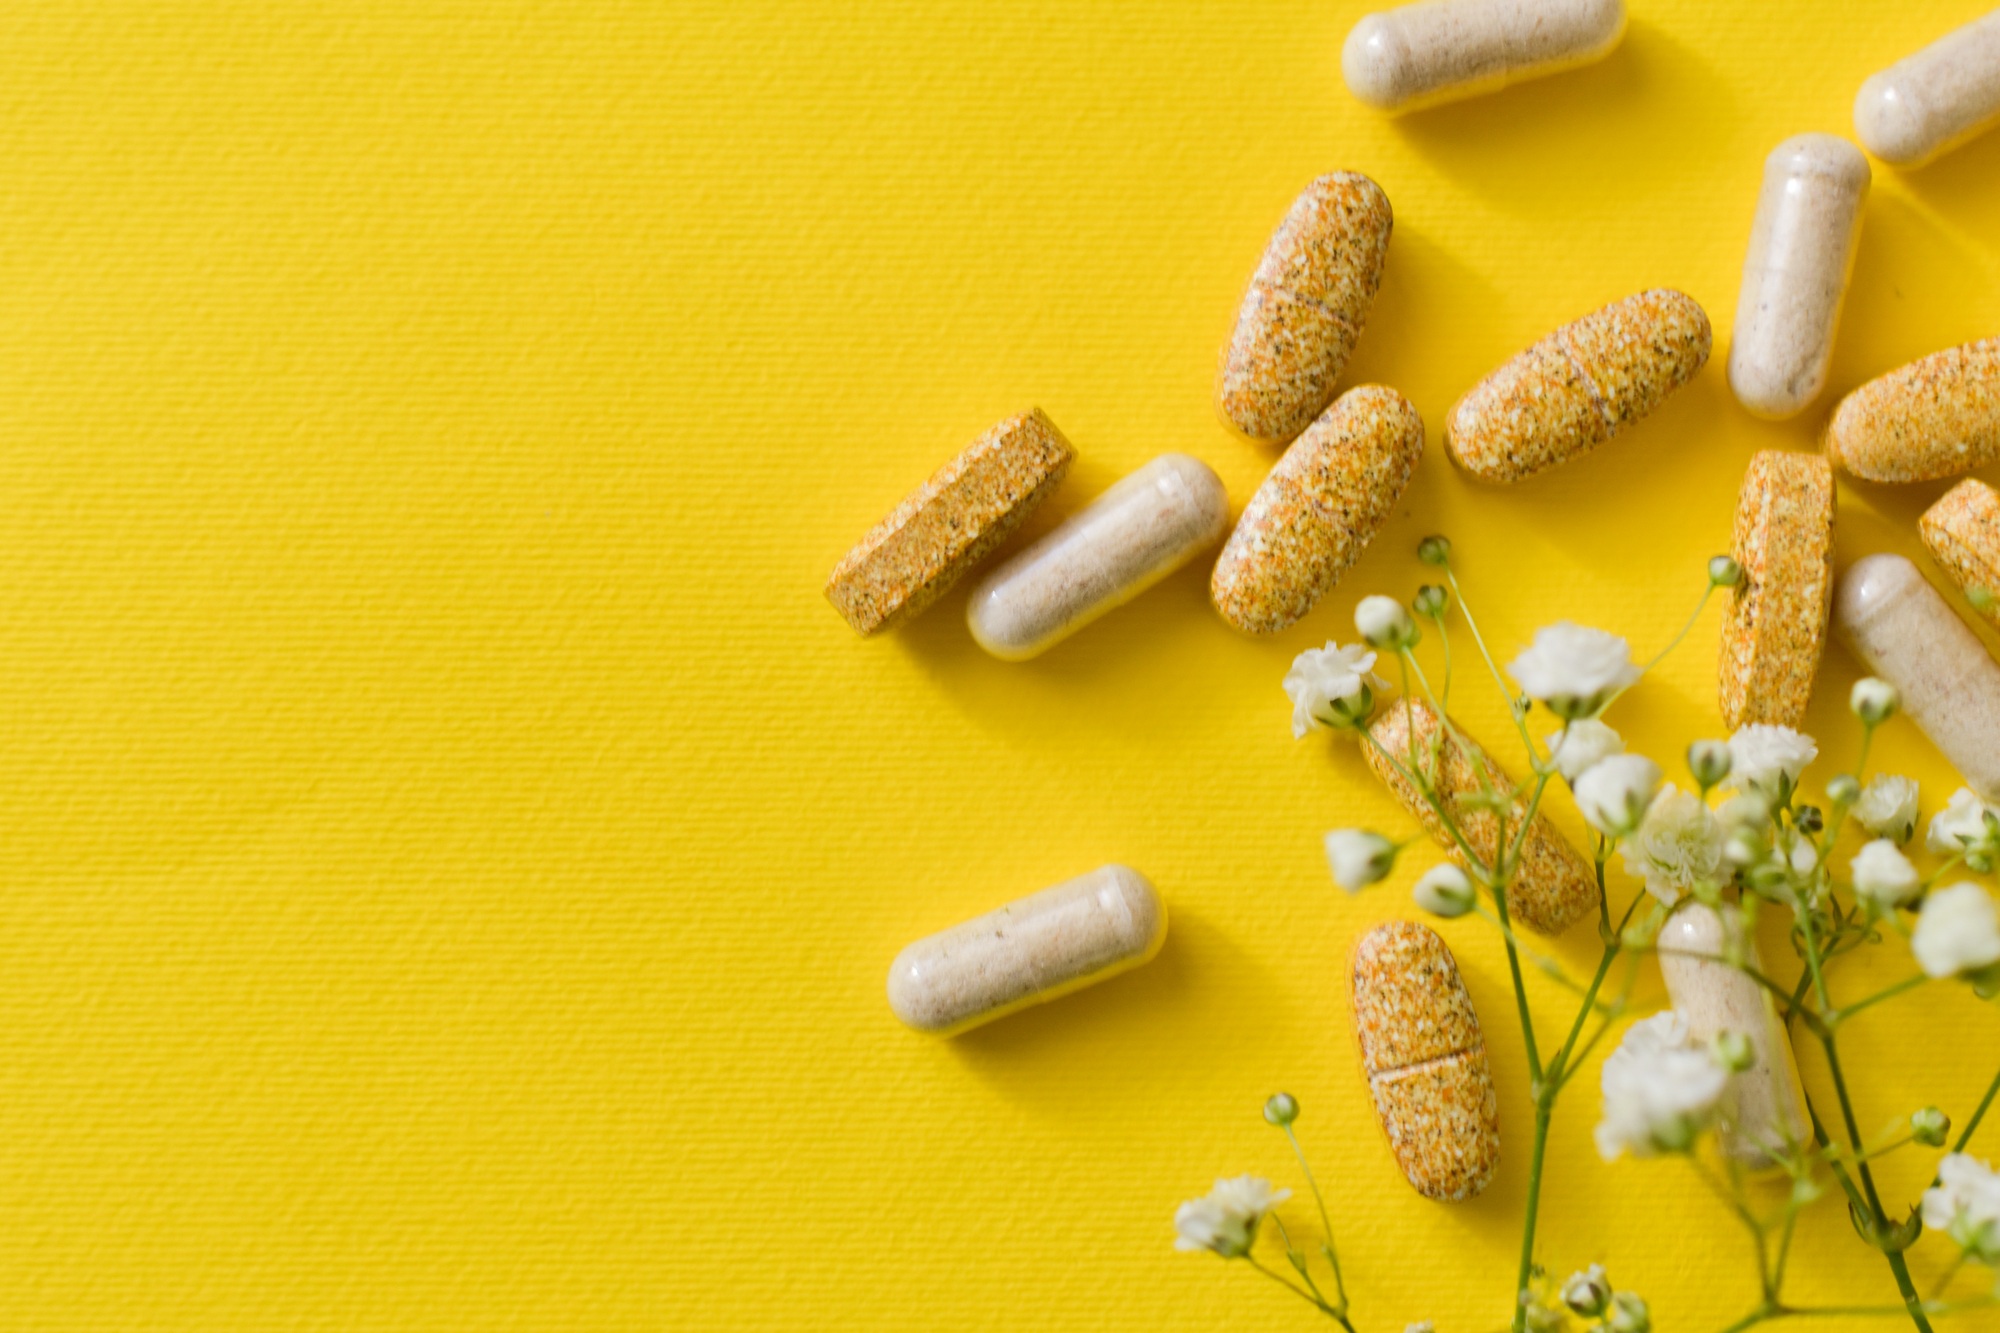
<point x="451" y="851"/>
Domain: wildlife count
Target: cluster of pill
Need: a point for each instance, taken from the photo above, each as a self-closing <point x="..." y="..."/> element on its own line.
<point x="1347" y="460"/>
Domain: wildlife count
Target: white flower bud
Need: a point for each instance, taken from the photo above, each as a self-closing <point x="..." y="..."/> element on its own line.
<point x="1282" y="1109"/>
<point x="1574" y="669"/>
<point x="1445" y="891"/>
<point x="1844" y="790"/>
<point x="1581" y="744"/>
<point x="1359" y="858"/>
<point x="1628" y="1314"/>
<point x="1888" y="807"/>
<point x="1883" y="876"/>
<point x="1958" y="933"/>
<point x="1384" y="623"/>
<point x="1768" y="759"/>
<point x="1588" y="1292"/>
<point x="1724" y="572"/>
<point x="1929" y="1127"/>
<point x="1709" y="762"/>
<point x="1733" y="1051"/>
<point x="1873" y="700"/>
<point x="1614" y="793"/>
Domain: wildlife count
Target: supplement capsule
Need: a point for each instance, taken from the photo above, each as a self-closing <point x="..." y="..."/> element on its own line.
<point x="1142" y="529"/>
<point x="1939" y="416"/>
<point x="1774" y="627"/>
<point x="1903" y="630"/>
<point x="1425" y="1060"/>
<point x="1047" y="944"/>
<point x="1579" y="386"/>
<point x="1554" y="887"/>
<point x="949" y="523"/>
<point x="1317" y="510"/>
<point x="1936" y="99"/>
<point x="1802" y="247"/>
<point x="1305" y="309"/>
<point x="1441" y="50"/>
<point x="1962" y="531"/>
<point x="1766" y="1107"/>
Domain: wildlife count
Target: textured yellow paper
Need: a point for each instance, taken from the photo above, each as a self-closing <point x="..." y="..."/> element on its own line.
<point x="452" y="853"/>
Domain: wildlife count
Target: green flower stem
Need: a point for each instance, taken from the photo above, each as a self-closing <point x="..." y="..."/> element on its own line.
<point x="1299" y="1292"/>
<point x="1907" y="984"/>
<point x="1535" y="1160"/>
<point x="1897" y="1265"/>
<point x="1520" y="725"/>
<point x="1965" y="1135"/>
<point x="1326" y="1223"/>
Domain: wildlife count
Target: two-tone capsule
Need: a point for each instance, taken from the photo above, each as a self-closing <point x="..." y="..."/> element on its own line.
<point x="1554" y="887"/>
<point x="1047" y="944"/>
<point x="1317" y="510"/>
<point x="1904" y="631"/>
<point x="1579" y="386"/>
<point x="1147" y="525"/>
<point x="1937" y="417"/>
<point x="1425" y="1059"/>
<point x="1440" y="50"/>
<point x="1305" y="309"/>
<point x="1933" y="101"/>
<point x="1802" y="246"/>
<point x="1774" y="627"/>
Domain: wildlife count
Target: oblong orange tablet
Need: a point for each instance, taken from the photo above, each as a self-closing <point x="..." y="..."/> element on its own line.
<point x="1305" y="309"/>
<point x="1774" y="628"/>
<point x="1317" y="510"/>
<point x="1554" y="887"/>
<point x="1579" y="386"/>
<point x="1426" y="1061"/>
<point x="1936" y="417"/>
<point x="1962" y="531"/>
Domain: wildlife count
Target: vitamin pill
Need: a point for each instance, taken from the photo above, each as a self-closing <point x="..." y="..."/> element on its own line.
<point x="949" y="523"/>
<point x="1135" y="534"/>
<point x="1936" y="99"/>
<point x="1554" y="887"/>
<point x="1425" y="1060"/>
<point x="1939" y="416"/>
<point x="1962" y="531"/>
<point x="1802" y="247"/>
<point x="1765" y="1110"/>
<point x="1047" y="944"/>
<point x="1441" y="50"/>
<point x="1904" y="631"/>
<point x="1774" y="627"/>
<point x="1579" y="386"/>
<point x="1305" y="308"/>
<point x="1317" y="510"/>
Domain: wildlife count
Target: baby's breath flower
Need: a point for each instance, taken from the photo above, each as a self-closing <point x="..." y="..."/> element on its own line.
<point x="1282" y="1109"/>
<point x="1384" y="623"/>
<point x="1965" y="1204"/>
<point x="1929" y="1127"/>
<point x="1884" y="876"/>
<point x="1332" y="687"/>
<point x="1678" y="844"/>
<point x="1431" y="600"/>
<point x="1844" y="790"/>
<point x="1888" y="807"/>
<point x="1724" y="572"/>
<point x="1709" y="762"/>
<point x="1614" y="793"/>
<point x="1435" y="550"/>
<point x="1660" y="1090"/>
<point x="1226" y="1220"/>
<point x="1768" y="759"/>
<point x="1628" y="1314"/>
<point x="1421" y="1326"/>
<point x="1359" y="858"/>
<point x="1574" y="669"/>
<point x="1445" y="891"/>
<point x="1966" y="824"/>
<point x="1873" y="700"/>
<point x="1958" y="933"/>
<point x="1588" y="1292"/>
<point x="1581" y="744"/>
<point x="1733" y="1051"/>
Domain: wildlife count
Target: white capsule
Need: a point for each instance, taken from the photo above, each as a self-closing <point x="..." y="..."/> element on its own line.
<point x="1930" y="102"/>
<point x="1442" y="50"/>
<point x="1801" y="251"/>
<point x="1146" y="526"/>
<point x="1766" y="1109"/>
<point x="1047" y="944"/>
<point x="1904" y="631"/>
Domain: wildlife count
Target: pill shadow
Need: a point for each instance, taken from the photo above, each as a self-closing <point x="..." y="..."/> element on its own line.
<point x="1413" y="341"/>
<point x="1518" y="145"/>
<point x="1908" y="297"/>
<point x="1964" y="183"/>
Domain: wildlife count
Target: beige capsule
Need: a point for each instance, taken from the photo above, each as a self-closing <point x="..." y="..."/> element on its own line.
<point x="1579" y="386"/>
<point x="1962" y="531"/>
<point x="1554" y="887"/>
<point x="1440" y="50"/>
<point x="1904" y="631"/>
<point x="1317" y="510"/>
<point x="1305" y="309"/>
<point x="1936" y="99"/>
<point x="1045" y="945"/>
<point x="943" y="528"/>
<point x="1765" y="1112"/>
<point x="1937" y="417"/>
<point x="1802" y="246"/>
<point x="1774" y="626"/>
<point x="1425" y="1059"/>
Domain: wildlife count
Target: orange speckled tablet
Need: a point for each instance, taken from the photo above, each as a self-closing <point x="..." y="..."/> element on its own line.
<point x="1962" y="531"/>
<point x="1425" y="1060"/>
<point x="1936" y="417"/>
<point x="944" y="527"/>
<point x="1774" y="628"/>
<point x="1317" y="510"/>
<point x="1554" y="888"/>
<point x="1305" y="309"/>
<point x="1579" y="386"/>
